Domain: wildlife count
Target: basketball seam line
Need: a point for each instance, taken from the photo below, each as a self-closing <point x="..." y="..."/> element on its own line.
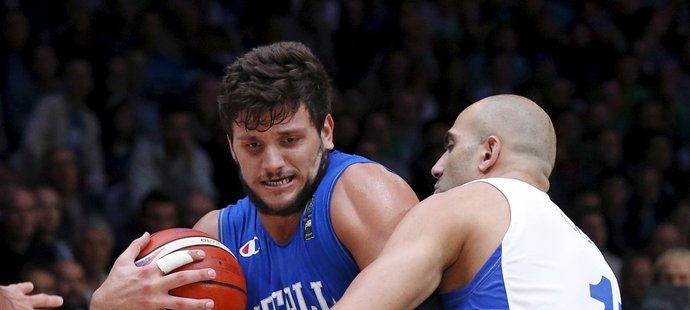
<point x="225" y="284"/>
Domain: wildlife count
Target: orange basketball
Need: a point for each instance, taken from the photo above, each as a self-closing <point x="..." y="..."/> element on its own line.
<point x="228" y="290"/>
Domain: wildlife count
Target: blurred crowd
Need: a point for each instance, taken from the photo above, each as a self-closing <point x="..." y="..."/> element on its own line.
<point x="109" y="124"/>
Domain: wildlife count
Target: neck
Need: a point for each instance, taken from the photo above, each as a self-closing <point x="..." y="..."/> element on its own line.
<point x="280" y="228"/>
<point x="537" y="180"/>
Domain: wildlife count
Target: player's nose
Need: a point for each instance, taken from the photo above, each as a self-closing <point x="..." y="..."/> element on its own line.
<point x="272" y="159"/>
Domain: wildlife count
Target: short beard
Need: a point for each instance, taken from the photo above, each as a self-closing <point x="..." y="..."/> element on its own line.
<point x="299" y="202"/>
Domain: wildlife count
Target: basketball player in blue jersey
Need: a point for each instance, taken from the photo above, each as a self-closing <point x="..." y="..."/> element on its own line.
<point x="490" y="237"/>
<point x="313" y="216"/>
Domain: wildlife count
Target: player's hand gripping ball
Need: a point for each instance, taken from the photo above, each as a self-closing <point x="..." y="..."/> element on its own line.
<point x="228" y="290"/>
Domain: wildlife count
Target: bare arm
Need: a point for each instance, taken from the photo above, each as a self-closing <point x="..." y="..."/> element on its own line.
<point x="367" y="203"/>
<point x="16" y="297"/>
<point x="440" y="244"/>
<point x="412" y="263"/>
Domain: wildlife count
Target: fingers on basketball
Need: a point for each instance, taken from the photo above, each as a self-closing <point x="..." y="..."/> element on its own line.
<point x="192" y="280"/>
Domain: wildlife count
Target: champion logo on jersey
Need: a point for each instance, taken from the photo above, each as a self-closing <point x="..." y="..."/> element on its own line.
<point x="250" y="248"/>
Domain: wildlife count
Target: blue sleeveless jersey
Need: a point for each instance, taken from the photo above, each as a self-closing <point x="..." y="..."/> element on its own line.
<point x="312" y="270"/>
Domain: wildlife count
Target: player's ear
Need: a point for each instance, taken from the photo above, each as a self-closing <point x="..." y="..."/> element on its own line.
<point x="490" y="153"/>
<point x="232" y="150"/>
<point x="327" y="132"/>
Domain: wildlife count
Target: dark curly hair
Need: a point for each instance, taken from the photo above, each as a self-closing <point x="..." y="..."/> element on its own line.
<point x="274" y="80"/>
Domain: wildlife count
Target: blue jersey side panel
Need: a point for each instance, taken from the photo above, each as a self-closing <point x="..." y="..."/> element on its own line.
<point x="485" y="291"/>
<point x="312" y="269"/>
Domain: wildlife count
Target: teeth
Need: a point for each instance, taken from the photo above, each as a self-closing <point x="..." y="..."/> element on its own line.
<point x="278" y="182"/>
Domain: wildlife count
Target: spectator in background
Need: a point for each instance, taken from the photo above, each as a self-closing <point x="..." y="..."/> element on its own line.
<point x="64" y="120"/>
<point x="637" y="276"/>
<point x="390" y="75"/>
<point x="165" y="64"/>
<point x="205" y="109"/>
<point x="378" y="143"/>
<point x="20" y="100"/>
<point x="49" y="223"/>
<point x="672" y="267"/>
<point x="681" y="219"/>
<point x="158" y="211"/>
<point x="209" y="133"/>
<point x="44" y="66"/>
<point x="72" y="285"/>
<point x="406" y="113"/>
<point x="665" y="236"/>
<point x="17" y="97"/>
<point x="19" y="243"/>
<point x="126" y="117"/>
<point x="609" y="152"/>
<point x="62" y="172"/>
<point x="649" y="205"/>
<point x="177" y="165"/>
<point x="119" y="135"/>
<point x="42" y="277"/>
<point x="76" y="36"/>
<point x="3" y="136"/>
<point x="118" y="88"/>
<point x="93" y="249"/>
<point x="672" y="270"/>
<point x="431" y="150"/>
<point x="615" y="192"/>
<point x="194" y="206"/>
<point x="593" y="223"/>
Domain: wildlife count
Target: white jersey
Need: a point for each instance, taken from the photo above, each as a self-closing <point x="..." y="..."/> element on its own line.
<point x="543" y="262"/>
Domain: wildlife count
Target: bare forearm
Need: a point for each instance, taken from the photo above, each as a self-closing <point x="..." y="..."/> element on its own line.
<point x="398" y="283"/>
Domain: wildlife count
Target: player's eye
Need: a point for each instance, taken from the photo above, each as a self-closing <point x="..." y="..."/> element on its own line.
<point x="251" y="145"/>
<point x="290" y="140"/>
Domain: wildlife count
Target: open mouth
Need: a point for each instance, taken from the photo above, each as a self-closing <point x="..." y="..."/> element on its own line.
<point x="278" y="182"/>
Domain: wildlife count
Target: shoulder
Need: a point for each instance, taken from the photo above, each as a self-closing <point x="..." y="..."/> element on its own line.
<point x="365" y="185"/>
<point x="367" y="203"/>
<point x="209" y="223"/>
<point x="465" y="207"/>
<point x="364" y="175"/>
<point x="464" y="225"/>
<point x="473" y="206"/>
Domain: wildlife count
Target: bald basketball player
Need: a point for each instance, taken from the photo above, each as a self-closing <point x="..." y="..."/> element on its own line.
<point x="490" y="237"/>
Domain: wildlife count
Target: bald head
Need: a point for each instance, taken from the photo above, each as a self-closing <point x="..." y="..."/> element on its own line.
<point x="523" y="127"/>
<point x="504" y="136"/>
